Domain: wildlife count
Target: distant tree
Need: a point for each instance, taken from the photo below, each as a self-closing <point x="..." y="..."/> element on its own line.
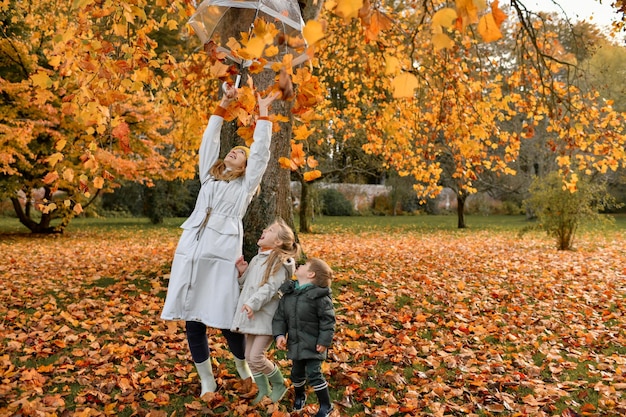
<point x="560" y="211"/>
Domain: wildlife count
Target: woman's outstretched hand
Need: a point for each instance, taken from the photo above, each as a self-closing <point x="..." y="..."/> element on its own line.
<point x="230" y="94"/>
<point x="265" y="102"/>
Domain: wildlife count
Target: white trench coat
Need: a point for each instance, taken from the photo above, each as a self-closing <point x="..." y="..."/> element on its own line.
<point x="203" y="280"/>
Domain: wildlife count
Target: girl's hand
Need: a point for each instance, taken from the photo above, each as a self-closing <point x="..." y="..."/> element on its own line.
<point x="264" y="102"/>
<point x="320" y="348"/>
<point x="246" y="309"/>
<point x="241" y="265"/>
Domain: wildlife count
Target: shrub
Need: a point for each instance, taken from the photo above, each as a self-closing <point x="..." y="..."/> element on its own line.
<point x="560" y="211"/>
<point x="334" y="203"/>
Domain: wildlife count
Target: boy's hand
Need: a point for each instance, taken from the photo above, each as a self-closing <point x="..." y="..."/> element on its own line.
<point x="281" y="342"/>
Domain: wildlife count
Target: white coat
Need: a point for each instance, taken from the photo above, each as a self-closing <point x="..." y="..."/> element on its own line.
<point x="203" y="280"/>
<point x="262" y="299"/>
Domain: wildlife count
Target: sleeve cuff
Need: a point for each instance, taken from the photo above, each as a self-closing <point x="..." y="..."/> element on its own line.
<point x="220" y="111"/>
<point x="264" y="118"/>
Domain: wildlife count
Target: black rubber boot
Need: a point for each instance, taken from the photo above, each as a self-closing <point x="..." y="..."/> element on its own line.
<point x="326" y="407"/>
<point x="300" y="398"/>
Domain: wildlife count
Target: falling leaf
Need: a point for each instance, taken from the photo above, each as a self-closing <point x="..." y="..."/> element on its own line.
<point x="404" y="85"/>
<point x="313" y="31"/>
<point x="348" y="9"/>
<point x="444" y="17"/>
<point x="488" y="29"/>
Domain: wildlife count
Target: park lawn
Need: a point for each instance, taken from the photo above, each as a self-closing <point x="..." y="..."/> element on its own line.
<point x="431" y="320"/>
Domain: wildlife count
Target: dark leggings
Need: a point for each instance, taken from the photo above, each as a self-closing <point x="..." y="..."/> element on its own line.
<point x="199" y="342"/>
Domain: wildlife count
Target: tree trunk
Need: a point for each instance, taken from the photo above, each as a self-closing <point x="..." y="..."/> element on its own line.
<point x="305" y="207"/>
<point x="24" y="215"/>
<point x="460" y="209"/>
<point x="274" y="197"/>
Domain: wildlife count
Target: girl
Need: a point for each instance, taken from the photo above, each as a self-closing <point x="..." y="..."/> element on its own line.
<point x="203" y="288"/>
<point x="258" y="301"/>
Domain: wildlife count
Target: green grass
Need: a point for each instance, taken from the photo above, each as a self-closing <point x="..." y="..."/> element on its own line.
<point x="326" y="224"/>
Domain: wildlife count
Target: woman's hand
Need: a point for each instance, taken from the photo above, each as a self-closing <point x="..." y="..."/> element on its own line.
<point x="264" y="102"/>
<point x="230" y="94"/>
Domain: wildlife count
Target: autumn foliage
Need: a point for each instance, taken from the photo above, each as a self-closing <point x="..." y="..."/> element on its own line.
<point x="429" y="323"/>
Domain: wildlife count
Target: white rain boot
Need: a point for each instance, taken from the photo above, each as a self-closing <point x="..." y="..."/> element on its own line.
<point x="242" y="368"/>
<point x="207" y="380"/>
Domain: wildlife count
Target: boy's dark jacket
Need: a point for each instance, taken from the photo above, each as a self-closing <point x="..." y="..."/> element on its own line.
<point x="307" y="317"/>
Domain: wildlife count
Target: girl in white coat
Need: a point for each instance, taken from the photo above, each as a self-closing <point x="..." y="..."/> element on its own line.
<point x="203" y="288"/>
<point x="258" y="302"/>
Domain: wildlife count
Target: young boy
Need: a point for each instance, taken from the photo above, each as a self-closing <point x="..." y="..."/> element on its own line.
<point x="304" y="323"/>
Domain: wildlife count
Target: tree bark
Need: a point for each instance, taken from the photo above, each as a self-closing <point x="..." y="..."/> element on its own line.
<point x="274" y="197"/>
<point x="460" y="209"/>
<point x="305" y="208"/>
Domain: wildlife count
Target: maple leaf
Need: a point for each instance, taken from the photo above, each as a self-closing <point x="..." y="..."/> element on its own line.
<point x="445" y="17"/>
<point x="297" y="154"/>
<point x="488" y="29"/>
<point x="313" y="31"/>
<point x="312" y="175"/>
<point x="404" y="85"/>
<point x="498" y="15"/>
<point x="287" y="163"/>
<point x="348" y="9"/>
<point x="302" y="132"/>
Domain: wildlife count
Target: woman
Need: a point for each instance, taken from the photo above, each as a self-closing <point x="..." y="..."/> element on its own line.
<point x="203" y="288"/>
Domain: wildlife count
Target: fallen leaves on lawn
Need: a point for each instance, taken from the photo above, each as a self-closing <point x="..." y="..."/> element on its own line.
<point x="427" y="324"/>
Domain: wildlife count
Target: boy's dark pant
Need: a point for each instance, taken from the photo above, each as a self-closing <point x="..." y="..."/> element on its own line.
<point x="309" y="370"/>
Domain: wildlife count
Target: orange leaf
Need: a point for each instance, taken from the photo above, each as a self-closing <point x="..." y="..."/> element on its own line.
<point x="51" y="177"/>
<point x="488" y="29"/>
<point x="313" y="31"/>
<point x="312" y="175"/>
<point x="297" y="154"/>
<point x="404" y="85"/>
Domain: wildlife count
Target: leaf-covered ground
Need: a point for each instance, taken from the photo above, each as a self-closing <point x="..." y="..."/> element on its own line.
<point x="433" y="324"/>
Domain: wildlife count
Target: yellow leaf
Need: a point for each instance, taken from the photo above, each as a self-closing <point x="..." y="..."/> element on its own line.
<point x="254" y="49"/>
<point x="60" y="144"/>
<point x="313" y="31"/>
<point x="312" y="175"/>
<point x="404" y="85"/>
<point x="55" y="158"/>
<point x="78" y="208"/>
<point x="348" y="9"/>
<point x="302" y="132"/>
<point x="271" y="51"/>
<point x="218" y="69"/>
<point x="488" y="29"/>
<point x="41" y="80"/>
<point x="149" y="396"/>
<point x="98" y="182"/>
<point x="445" y="17"/>
<point x="311" y="162"/>
<point x="442" y="41"/>
<point x="68" y="174"/>
<point x="392" y="65"/>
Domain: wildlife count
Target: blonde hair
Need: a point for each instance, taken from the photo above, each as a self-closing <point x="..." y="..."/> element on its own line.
<point x="323" y="273"/>
<point x="219" y="172"/>
<point x="288" y="249"/>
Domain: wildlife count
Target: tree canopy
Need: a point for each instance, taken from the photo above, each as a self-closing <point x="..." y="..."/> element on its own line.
<point x="95" y="91"/>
